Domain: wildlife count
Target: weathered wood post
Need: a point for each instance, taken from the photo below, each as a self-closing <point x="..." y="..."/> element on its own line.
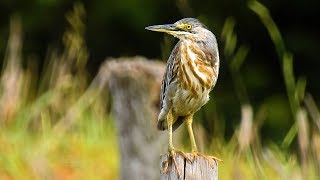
<point x="134" y="85"/>
<point x="199" y="169"/>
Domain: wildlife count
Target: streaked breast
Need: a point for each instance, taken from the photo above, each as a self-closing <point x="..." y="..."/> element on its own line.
<point x="196" y="72"/>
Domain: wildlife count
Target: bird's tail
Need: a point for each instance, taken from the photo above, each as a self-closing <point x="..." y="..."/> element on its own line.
<point x="163" y="125"/>
<point x="178" y="122"/>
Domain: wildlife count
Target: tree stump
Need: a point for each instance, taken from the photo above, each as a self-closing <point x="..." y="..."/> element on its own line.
<point x="134" y="86"/>
<point x="199" y="169"/>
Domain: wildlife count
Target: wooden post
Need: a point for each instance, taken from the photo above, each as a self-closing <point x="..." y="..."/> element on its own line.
<point x="198" y="169"/>
<point x="134" y="85"/>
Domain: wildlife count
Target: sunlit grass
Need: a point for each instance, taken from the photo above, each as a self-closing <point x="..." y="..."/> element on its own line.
<point x="91" y="151"/>
<point x="60" y="128"/>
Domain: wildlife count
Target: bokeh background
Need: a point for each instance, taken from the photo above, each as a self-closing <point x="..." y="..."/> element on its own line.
<point x="264" y="109"/>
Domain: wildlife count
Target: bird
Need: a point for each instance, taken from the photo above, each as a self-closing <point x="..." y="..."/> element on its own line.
<point x="191" y="73"/>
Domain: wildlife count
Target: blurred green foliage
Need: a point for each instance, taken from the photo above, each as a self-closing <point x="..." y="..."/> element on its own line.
<point x="258" y="114"/>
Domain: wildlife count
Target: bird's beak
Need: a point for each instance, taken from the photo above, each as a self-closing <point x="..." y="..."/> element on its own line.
<point x="167" y="28"/>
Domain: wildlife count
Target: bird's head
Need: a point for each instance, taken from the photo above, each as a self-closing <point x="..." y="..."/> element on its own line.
<point x="187" y="28"/>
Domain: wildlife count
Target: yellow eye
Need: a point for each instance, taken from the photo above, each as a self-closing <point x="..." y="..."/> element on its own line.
<point x="188" y="26"/>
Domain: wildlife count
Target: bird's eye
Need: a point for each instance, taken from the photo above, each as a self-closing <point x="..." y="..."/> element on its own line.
<point x="188" y="27"/>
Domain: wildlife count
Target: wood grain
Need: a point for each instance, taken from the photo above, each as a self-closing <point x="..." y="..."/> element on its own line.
<point x="199" y="169"/>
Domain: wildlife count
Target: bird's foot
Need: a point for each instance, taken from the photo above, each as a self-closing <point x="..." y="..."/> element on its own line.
<point x="171" y="158"/>
<point x="196" y="154"/>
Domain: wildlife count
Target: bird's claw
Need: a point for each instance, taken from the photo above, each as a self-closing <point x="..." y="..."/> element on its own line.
<point x="171" y="158"/>
<point x="196" y="154"/>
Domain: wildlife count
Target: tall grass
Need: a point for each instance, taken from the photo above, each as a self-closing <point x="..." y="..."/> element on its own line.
<point x="52" y="126"/>
<point x="244" y="155"/>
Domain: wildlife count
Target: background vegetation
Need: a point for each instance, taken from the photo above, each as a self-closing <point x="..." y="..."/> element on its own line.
<point x="263" y="113"/>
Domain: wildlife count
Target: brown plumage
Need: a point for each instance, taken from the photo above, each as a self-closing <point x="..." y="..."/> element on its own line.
<point x="192" y="67"/>
<point x="192" y="72"/>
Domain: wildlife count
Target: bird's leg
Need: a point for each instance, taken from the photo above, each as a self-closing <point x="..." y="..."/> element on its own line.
<point x="190" y="131"/>
<point x="194" y="149"/>
<point x="171" y="150"/>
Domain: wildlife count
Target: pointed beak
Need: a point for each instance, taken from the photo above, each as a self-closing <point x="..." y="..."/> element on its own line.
<point x="167" y="28"/>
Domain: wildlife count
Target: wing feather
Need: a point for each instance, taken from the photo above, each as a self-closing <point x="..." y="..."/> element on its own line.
<point x="170" y="74"/>
<point x="168" y="87"/>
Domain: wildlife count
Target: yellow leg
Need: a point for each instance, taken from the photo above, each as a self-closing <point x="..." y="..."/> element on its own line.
<point x="190" y="131"/>
<point x="170" y="122"/>
<point x="194" y="149"/>
<point x="171" y="149"/>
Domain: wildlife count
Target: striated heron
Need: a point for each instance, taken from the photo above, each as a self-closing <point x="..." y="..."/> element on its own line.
<point x="191" y="73"/>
